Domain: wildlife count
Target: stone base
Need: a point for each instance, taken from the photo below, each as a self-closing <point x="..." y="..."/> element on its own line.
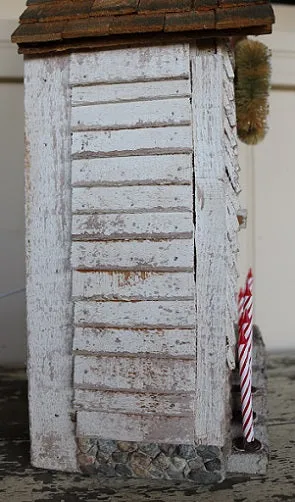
<point x="199" y="464"/>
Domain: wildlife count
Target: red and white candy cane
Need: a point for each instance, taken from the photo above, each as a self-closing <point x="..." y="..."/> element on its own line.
<point x="244" y="353"/>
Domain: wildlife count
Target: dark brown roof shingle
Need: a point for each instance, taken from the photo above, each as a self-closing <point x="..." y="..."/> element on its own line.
<point x="51" y="25"/>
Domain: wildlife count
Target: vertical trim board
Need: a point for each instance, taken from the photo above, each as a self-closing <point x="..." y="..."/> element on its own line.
<point x="48" y="240"/>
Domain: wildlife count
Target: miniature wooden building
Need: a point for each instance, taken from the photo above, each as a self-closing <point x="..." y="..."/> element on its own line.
<point x="131" y="208"/>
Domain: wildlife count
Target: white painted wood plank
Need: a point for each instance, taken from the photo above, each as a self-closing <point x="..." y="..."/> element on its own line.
<point x="132" y="226"/>
<point x="165" y="112"/>
<point x="113" y="285"/>
<point x="138" y="170"/>
<point x="48" y="224"/>
<point x="173" y="430"/>
<point x="171" y="342"/>
<point x="175" y="139"/>
<point x="134" y="255"/>
<point x="118" y="93"/>
<point x="131" y="199"/>
<point x="154" y="314"/>
<point x="127" y="65"/>
<point x="134" y="402"/>
<point x="134" y="373"/>
<point x="208" y="112"/>
<point x="212" y="385"/>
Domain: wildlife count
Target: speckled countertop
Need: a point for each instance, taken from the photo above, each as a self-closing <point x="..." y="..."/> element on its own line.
<point x="21" y="483"/>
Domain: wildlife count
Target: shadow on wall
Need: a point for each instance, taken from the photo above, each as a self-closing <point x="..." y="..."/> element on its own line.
<point x="12" y="268"/>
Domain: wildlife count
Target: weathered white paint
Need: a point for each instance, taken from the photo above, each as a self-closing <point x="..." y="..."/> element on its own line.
<point x="138" y="170"/>
<point x="48" y="225"/>
<point x="212" y="378"/>
<point x="134" y="373"/>
<point x="164" y="112"/>
<point x="175" y="139"/>
<point x="168" y="343"/>
<point x="212" y="252"/>
<point x="134" y="255"/>
<point x="119" y="93"/>
<point x="208" y="113"/>
<point x="144" y="403"/>
<point x="131" y="285"/>
<point x="143" y="428"/>
<point x="135" y="64"/>
<point x="132" y="226"/>
<point x="154" y="314"/>
<point x="131" y="199"/>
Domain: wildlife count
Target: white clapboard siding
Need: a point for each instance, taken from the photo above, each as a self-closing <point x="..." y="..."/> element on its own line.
<point x="48" y="226"/>
<point x="141" y="428"/>
<point x="118" y="93"/>
<point x="134" y="402"/>
<point x="132" y="226"/>
<point x="114" y="285"/>
<point x="177" y="254"/>
<point x="127" y="65"/>
<point x="133" y="114"/>
<point x="132" y="141"/>
<point x="131" y="199"/>
<point x="208" y="113"/>
<point x="169" y="343"/>
<point x="156" y="314"/>
<point x="134" y="373"/>
<point x="138" y="170"/>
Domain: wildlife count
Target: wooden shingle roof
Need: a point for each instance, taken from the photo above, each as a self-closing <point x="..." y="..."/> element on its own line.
<point x="57" y="25"/>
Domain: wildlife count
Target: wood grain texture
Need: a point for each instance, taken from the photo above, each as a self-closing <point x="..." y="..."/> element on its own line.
<point x="207" y="105"/>
<point x="120" y="93"/>
<point x="131" y="199"/>
<point x="154" y="314"/>
<point x="172" y="255"/>
<point x="132" y="115"/>
<point x="173" y="430"/>
<point x="167" y="343"/>
<point x="138" y="170"/>
<point x="134" y="374"/>
<point x="128" y="286"/>
<point x="144" y="403"/>
<point x="135" y="64"/>
<point x="48" y="227"/>
<point x="89" y="144"/>
<point x="132" y="226"/>
<point x="212" y="386"/>
<point x="212" y="381"/>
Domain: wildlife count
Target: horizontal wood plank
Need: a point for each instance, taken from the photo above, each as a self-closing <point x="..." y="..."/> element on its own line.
<point x="130" y="115"/>
<point x="172" y="255"/>
<point x="131" y="199"/>
<point x="113" y="285"/>
<point x="136" y="374"/>
<point x="134" y="402"/>
<point x="138" y="170"/>
<point x="167" y="343"/>
<point x="173" y="430"/>
<point x="135" y="64"/>
<point x="154" y="314"/>
<point x="175" y="139"/>
<point x="118" y="93"/>
<point x="132" y="226"/>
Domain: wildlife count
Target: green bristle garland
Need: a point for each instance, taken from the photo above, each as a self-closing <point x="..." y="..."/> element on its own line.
<point x="252" y="84"/>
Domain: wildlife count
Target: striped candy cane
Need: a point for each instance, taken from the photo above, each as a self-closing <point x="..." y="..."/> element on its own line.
<point x="246" y="378"/>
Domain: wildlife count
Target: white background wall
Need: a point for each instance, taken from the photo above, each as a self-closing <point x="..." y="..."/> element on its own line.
<point x="268" y="181"/>
<point x="12" y="309"/>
